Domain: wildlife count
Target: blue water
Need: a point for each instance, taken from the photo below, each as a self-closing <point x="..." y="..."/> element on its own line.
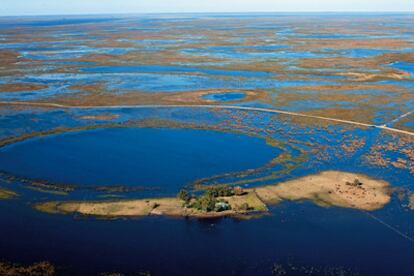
<point x="231" y="52"/>
<point x="178" y="69"/>
<point x="300" y="233"/>
<point x="365" y="53"/>
<point x="165" y="158"/>
<point x="226" y="96"/>
<point x="405" y="66"/>
<point x="47" y="22"/>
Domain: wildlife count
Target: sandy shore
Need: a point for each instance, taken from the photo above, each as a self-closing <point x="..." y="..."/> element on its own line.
<point x="329" y="188"/>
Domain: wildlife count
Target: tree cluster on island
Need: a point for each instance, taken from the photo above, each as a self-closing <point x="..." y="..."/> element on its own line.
<point x="210" y="200"/>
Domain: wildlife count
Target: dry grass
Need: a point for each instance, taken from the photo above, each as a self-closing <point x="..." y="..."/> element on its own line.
<point x="250" y="198"/>
<point x="330" y="188"/>
<point x="122" y="208"/>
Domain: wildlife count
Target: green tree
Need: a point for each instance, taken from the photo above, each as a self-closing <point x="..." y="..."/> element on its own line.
<point x="220" y="190"/>
<point x="184" y="195"/>
<point x="208" y="202"/>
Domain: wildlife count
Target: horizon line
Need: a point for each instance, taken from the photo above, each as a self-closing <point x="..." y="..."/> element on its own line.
<point x="207" y="12"/>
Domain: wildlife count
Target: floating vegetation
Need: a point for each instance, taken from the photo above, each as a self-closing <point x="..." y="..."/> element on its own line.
<point x="7" y="194"/>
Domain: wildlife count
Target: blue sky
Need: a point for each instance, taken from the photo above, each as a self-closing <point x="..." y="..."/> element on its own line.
<point x="39" y="7"/>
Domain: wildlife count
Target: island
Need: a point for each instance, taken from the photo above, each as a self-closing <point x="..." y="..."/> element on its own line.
<point x="328" y="188"/>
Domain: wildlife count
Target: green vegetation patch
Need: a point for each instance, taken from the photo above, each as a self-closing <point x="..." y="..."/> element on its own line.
<point x="221" y="198"/>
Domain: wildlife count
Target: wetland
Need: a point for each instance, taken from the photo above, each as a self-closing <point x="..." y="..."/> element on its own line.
<point x="206" y="144"/>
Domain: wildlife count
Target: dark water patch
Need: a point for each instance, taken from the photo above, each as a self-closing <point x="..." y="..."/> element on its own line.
<point x="226" y="96"/>
<point x="298" y="232"/>
<point x="166" y="158"/>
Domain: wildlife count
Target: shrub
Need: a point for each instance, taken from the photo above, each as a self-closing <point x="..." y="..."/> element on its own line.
<point x="205" y="202"/>
<point x="220" y="190"/>
<point x="184" y="195"/>
<point x="355" y="183"/>
<point x="196" y="204"/>
<point x="208" y="203"/>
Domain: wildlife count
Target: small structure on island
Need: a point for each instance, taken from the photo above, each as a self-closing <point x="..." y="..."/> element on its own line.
<point x="222" y="206"/>
<point x="238" y="191"/>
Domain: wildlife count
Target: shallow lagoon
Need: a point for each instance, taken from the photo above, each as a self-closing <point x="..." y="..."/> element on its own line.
<point x="147" y="157"/>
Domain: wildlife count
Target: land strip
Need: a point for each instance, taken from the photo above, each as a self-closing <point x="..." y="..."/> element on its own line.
<point x="229" y="107"/>
<point x="328" y="188"/>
